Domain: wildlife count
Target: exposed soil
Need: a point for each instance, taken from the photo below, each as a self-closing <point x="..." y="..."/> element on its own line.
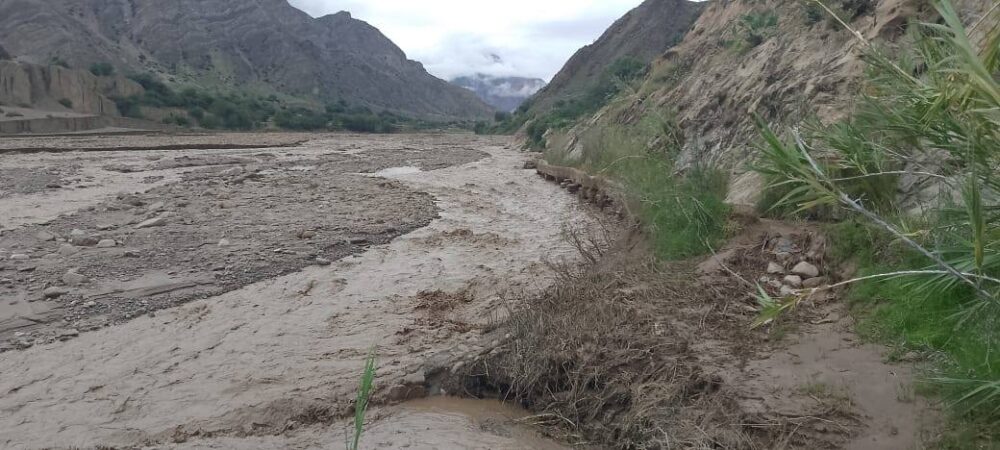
<point x="266" y="346"/>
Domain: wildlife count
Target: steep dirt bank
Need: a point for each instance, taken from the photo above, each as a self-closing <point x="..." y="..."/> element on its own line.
<point x="273" y="363"/>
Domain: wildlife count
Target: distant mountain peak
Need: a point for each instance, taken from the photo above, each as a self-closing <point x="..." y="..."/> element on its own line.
<point x="503" y="93"/>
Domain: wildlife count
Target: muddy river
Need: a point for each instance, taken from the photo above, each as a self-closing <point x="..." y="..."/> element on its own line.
<point x="205" y="298"/>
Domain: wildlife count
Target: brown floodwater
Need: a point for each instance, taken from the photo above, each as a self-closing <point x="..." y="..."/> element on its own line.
<point x="454" y="423"/>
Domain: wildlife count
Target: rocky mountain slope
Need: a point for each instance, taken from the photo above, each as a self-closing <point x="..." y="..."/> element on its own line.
<point x="503" y="93"/>
<point x="57" y="88"/>
<point x="265" y="45"/>
<point x="781" y="59"/>
<point x="642" y="34"/>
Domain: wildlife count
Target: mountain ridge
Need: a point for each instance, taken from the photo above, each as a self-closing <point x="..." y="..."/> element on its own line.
<point x="265" y="45"/>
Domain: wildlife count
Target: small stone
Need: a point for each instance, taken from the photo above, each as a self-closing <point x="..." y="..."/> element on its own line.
<point x="775" y="268"/>
<point x="72" y="278"/>
<point x="323" y="262"/>
<point x="90" y="304"/>
<point x="77" y="233"/>
<point x="793" y="281"/>
<point x="308" y="234"/>
<point x="45" y="236"/>
<point x="806" y="270"/>
<point x="232" y="172"/>
<point x="530" y="164"/>
<point x="787" y="291"/>
<point x="105" y="227"/>
<point x="814" y="283"/>
<point x="19" y="257"/>
<point x="416" y="378"/>
<point x="107" y="243"/>
<point x="83" y="241"/>
<point x="155" y="222"/>
<point x="225" y="243"/>
<point x="55" y="292"/>
<point x="68" y="250"/>
<point x="66" y="334"/>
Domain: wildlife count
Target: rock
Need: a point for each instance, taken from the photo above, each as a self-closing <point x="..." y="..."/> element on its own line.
<point x="359" y="241"/>
<point x="400" y="393"/>
<point x="90" y="304"/>
<point x="785" y="245"/>
<point x="775" y="268"/>
<point x="323" y="262"/>
<point x="77" y="233"/>
<point x="794" y="281"/>
<point x="19" y="257"/>
<point x="806" y="270"/>
<point x="531" y="164"/>
<point x="308" y="234"/>
<point x="155" y="222"/>
<point x="55" y="292"/>
<point x="84" y="241"/>
<point x="416" y="378"/>
<point x="814" y="283"/>
<point x="68" y="250"/>
<point x="225" y="243"/>
<point x="66" y="334"/>
<point x="72" y="278"/>
<point x="107" y="243"/>
<point x="787" y="291"/>
<point x="105" y="227"/>
<point x="45" y="236"/>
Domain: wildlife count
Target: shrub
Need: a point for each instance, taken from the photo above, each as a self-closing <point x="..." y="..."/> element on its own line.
<point x="301" y="119"/>
<point x="66" y="102"/>
<point x="57" y="61"/>
<point x="758" y="26"/>
<point x="178" y="120"/>
<point x="129" y="106"/>
<point x="102" y="69"/>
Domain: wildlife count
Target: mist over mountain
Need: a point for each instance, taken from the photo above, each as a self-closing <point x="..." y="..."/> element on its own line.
<point x="503" y="93"/>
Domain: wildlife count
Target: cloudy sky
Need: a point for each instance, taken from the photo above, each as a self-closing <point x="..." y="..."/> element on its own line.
<point x="457" y="37"/>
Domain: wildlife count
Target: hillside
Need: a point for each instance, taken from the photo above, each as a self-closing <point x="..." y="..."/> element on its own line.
<point x="262" y="45"/>
<point x="642" y="34"/>
<point x="781" y="59"/>
<point x="503" y="93"/>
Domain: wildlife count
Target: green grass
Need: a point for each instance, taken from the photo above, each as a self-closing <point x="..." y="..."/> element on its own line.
<point x="894" y="313"/>
<point x="684" y="214"/>
<point x="365" y="388"/>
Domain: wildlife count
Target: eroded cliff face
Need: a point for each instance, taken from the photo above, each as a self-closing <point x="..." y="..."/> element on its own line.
<point x="44" y="87"/>
<point x="803" y="66"/>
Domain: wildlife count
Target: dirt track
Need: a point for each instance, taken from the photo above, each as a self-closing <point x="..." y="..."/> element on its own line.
<point x="268" y="339"/>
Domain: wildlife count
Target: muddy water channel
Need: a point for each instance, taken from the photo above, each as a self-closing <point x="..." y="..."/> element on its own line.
<point x="236" y="293"/>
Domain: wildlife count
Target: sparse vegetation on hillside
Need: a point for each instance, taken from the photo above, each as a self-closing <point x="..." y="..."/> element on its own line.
<point x="244" y="111"/>
<point x="930" y="263"/>
<point x="620" y="75"/>
<point x="102" y="69"/>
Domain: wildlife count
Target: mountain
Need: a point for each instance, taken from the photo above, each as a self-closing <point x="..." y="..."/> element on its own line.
<point x="642" y="34"/>
<point x="503" y="93"/>
<point x="264" y="45"/>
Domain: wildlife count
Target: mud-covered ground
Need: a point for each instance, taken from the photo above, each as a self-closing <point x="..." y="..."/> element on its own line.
<point x="227" y="298"/>
<point x="228" y="219"/>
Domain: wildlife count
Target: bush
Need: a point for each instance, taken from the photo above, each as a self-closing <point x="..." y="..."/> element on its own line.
<point x="57" y="61"/>
<point x="174" y="119"/>
<point x="758" y="26"/>
<point x="102" y="69"/>
<point x="66" y="102"/>
<point x="129" y="106"/>
<point x="301" y="119"/>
